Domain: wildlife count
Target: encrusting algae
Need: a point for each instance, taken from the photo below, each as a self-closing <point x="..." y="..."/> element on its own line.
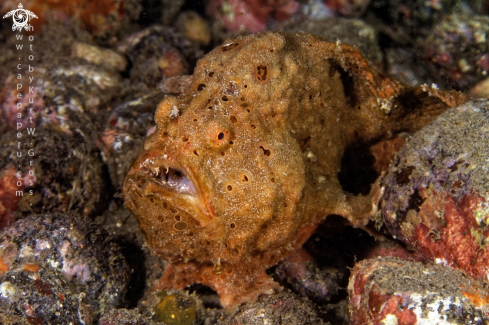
<point x="244" y="165"/>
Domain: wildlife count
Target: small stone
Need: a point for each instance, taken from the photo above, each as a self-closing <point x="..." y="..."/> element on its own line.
<point x="194" y="27"/>
<point x="481" y="89"/>
<point x="99" y="56"/>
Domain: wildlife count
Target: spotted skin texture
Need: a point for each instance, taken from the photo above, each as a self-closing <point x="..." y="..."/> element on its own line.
<point x="243" y="166"/>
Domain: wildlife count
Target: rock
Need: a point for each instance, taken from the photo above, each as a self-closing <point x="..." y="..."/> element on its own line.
<point x="393" y="291"/>
<point x="436" y="197"/>
<point x="194" y="27"/>
<point x="245" y="15"/>
<point x="55" y="170"/>
<point x="391" y="248"/>
<point x="123" y="316"/>
<point x="99" y="56"/>
<point x="481" y="89"/>
<point x="403" y="64"/>
<point x="125" y="131"/>
<point x="457" y="50"/>
<point x="282" y="308"/>
<point x="305" y="277"/>
<point x="56" y="268"/>
<point x="158" y="52"/>
<point x="403" y="22"/>
<point x="100" y="17"/>
<point x="348" y="31"/>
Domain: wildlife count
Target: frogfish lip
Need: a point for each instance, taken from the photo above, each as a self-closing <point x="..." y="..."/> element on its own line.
<point x="160" y="175"/>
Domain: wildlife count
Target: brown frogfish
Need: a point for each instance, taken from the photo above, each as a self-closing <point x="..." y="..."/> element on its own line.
<point x="244" y="165"/>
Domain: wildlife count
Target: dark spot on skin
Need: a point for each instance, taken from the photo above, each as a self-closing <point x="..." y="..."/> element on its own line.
<point x="303" y="142"/>
<point x="266" y="152"/>
<point x="220" y="136"/>
<point x="332" y="71"/>
<point x="180" y="226"/>
<point x="349" y="89"/>
<point x="261" y="73"/>
<point x="200" y="87"/>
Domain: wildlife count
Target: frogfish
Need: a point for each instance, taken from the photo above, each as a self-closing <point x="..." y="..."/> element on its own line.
<point x="243" y="165"/>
